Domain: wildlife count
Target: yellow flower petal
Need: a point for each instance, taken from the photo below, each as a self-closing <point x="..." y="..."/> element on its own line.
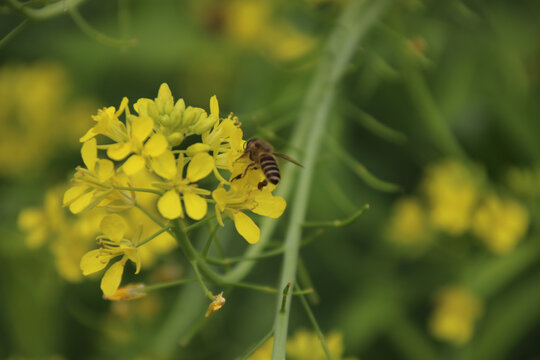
<point x="196" y="205"/>
<point x="133" y="165"/>
<point x="214" y="106"/>
<point x="200" y="166"/>
<point x="94" y="261"/>
<point x="73" y="193"/>
<point x="119" y="151"/>
<point x="268" y="205"/>
<point x="113" y="226"/>
<point x="104" y="170"/>
<point x="156" y="145"/>
<point x="89" y="135"/>
<point x="220" y="195"/>
<point x="133" y="255"/>
<point x="246" y="227"/>
<point x="165" y="165"/>
<point x="89" y="154"/>
<point x="169" y="205"/>
<point x="112" y="278"/>
<point x="81" y="203"/>
<point x="141" y="127"/>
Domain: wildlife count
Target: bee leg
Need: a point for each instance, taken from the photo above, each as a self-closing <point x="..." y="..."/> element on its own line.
<point x="239" y="176"/>
<point x="262" y="184"/>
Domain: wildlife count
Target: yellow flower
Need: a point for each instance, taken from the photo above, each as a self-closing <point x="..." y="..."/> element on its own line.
<point x="114" y="244"/>
<point x="500" y="224"/>
<point x="244" y="194"/>
<point x="38" y="117"/>
<point x="408" y="223"/>
<point x="169" y="204"/>
<point x="454" y="316"/>
<point x="452" y="193"/>
<point x="224" y="140"/>
<point x="215" y="305"/>
<point x="39" y="224"/>
<point x="95" y="184"/>
<point x="108" y="124"/>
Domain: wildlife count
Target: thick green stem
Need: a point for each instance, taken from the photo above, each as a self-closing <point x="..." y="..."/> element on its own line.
<point x="358" y="16"/>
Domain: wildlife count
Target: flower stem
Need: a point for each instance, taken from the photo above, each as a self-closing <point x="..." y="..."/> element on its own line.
<point x="315" y="326"/>
<point x="337" y="223"/>
<point x="154" y="235"/>
<point x="358" y="16"/>
<point x="258" y="345"/>
<point x="128" y="188"/>
<point x="13" y="32"/>
<point x="168" y="284"/>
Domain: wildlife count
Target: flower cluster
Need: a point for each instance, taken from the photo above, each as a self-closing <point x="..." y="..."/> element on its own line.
<point x="456" y="312"/>
<point x="139" y="160"/>
<point x="454" y="202"/>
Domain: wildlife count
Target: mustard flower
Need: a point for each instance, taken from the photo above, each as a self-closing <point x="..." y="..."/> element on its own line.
<point x="408" y="223"/>
<point x="169" y="204"/>
<point x="500" y="223"/>
<point x="452" y="192"/>
<point x="95" y="184"/>
<point x="243" y="194"/>
<point x="456" y="311"/>
<point x="114" y="244"/>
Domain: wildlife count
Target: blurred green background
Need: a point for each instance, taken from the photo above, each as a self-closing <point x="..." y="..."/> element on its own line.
<point x="435" y="126"/>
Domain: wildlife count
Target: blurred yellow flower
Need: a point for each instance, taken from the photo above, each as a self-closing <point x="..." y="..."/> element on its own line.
<point x="252" y="23"/>
<point x="452" y="193"/>
<point x="38" y="116"/>
<point x="408" y="223"/>
<point x="500" y="223"/>
<point x="305" y="345"/>
<point x="456" y="311"/>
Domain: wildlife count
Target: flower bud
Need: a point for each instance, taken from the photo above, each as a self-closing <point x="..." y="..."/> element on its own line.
<point x="204" y="124"/>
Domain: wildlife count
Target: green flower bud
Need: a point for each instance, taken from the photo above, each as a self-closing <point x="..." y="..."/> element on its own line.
<point x="164" y="100"/>
<point x="175" y="138"/>
<point x="204" y="124"/>
<point x="191" y="115"/>
<point x="197" y="148"/>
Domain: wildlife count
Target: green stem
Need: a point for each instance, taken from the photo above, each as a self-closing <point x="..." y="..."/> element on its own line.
<point x="150" y="215"/>
<point x="207" y="292"/>
<point x="154" y="235"/>
<point x="358" y="168"/>
<point x="47" y="12"/>
<point x="168" y="285"/>
<point x="337" y="223"/>
<point x="358" y="17"/>
<point x="128" y="188"/>
<point x="13" y="32"/>
<point x="258" y="345"/>
<point x="88" y="30"/>
<point x="315" y="326"/>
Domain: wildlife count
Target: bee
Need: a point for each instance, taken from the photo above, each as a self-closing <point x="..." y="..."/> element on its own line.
<point x="263" y="156"/>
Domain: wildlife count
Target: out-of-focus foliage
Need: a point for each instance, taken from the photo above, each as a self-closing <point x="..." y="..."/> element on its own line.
<point x="435" y="125"/>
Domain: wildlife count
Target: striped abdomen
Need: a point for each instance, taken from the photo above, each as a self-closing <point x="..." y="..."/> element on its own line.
<point x="269" y="167"/>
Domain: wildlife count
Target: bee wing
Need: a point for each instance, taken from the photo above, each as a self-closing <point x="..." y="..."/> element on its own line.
<point x="285" y="157"/>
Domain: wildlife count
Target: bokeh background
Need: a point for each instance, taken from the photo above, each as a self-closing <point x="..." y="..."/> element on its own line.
<point x="435" y="126"/>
